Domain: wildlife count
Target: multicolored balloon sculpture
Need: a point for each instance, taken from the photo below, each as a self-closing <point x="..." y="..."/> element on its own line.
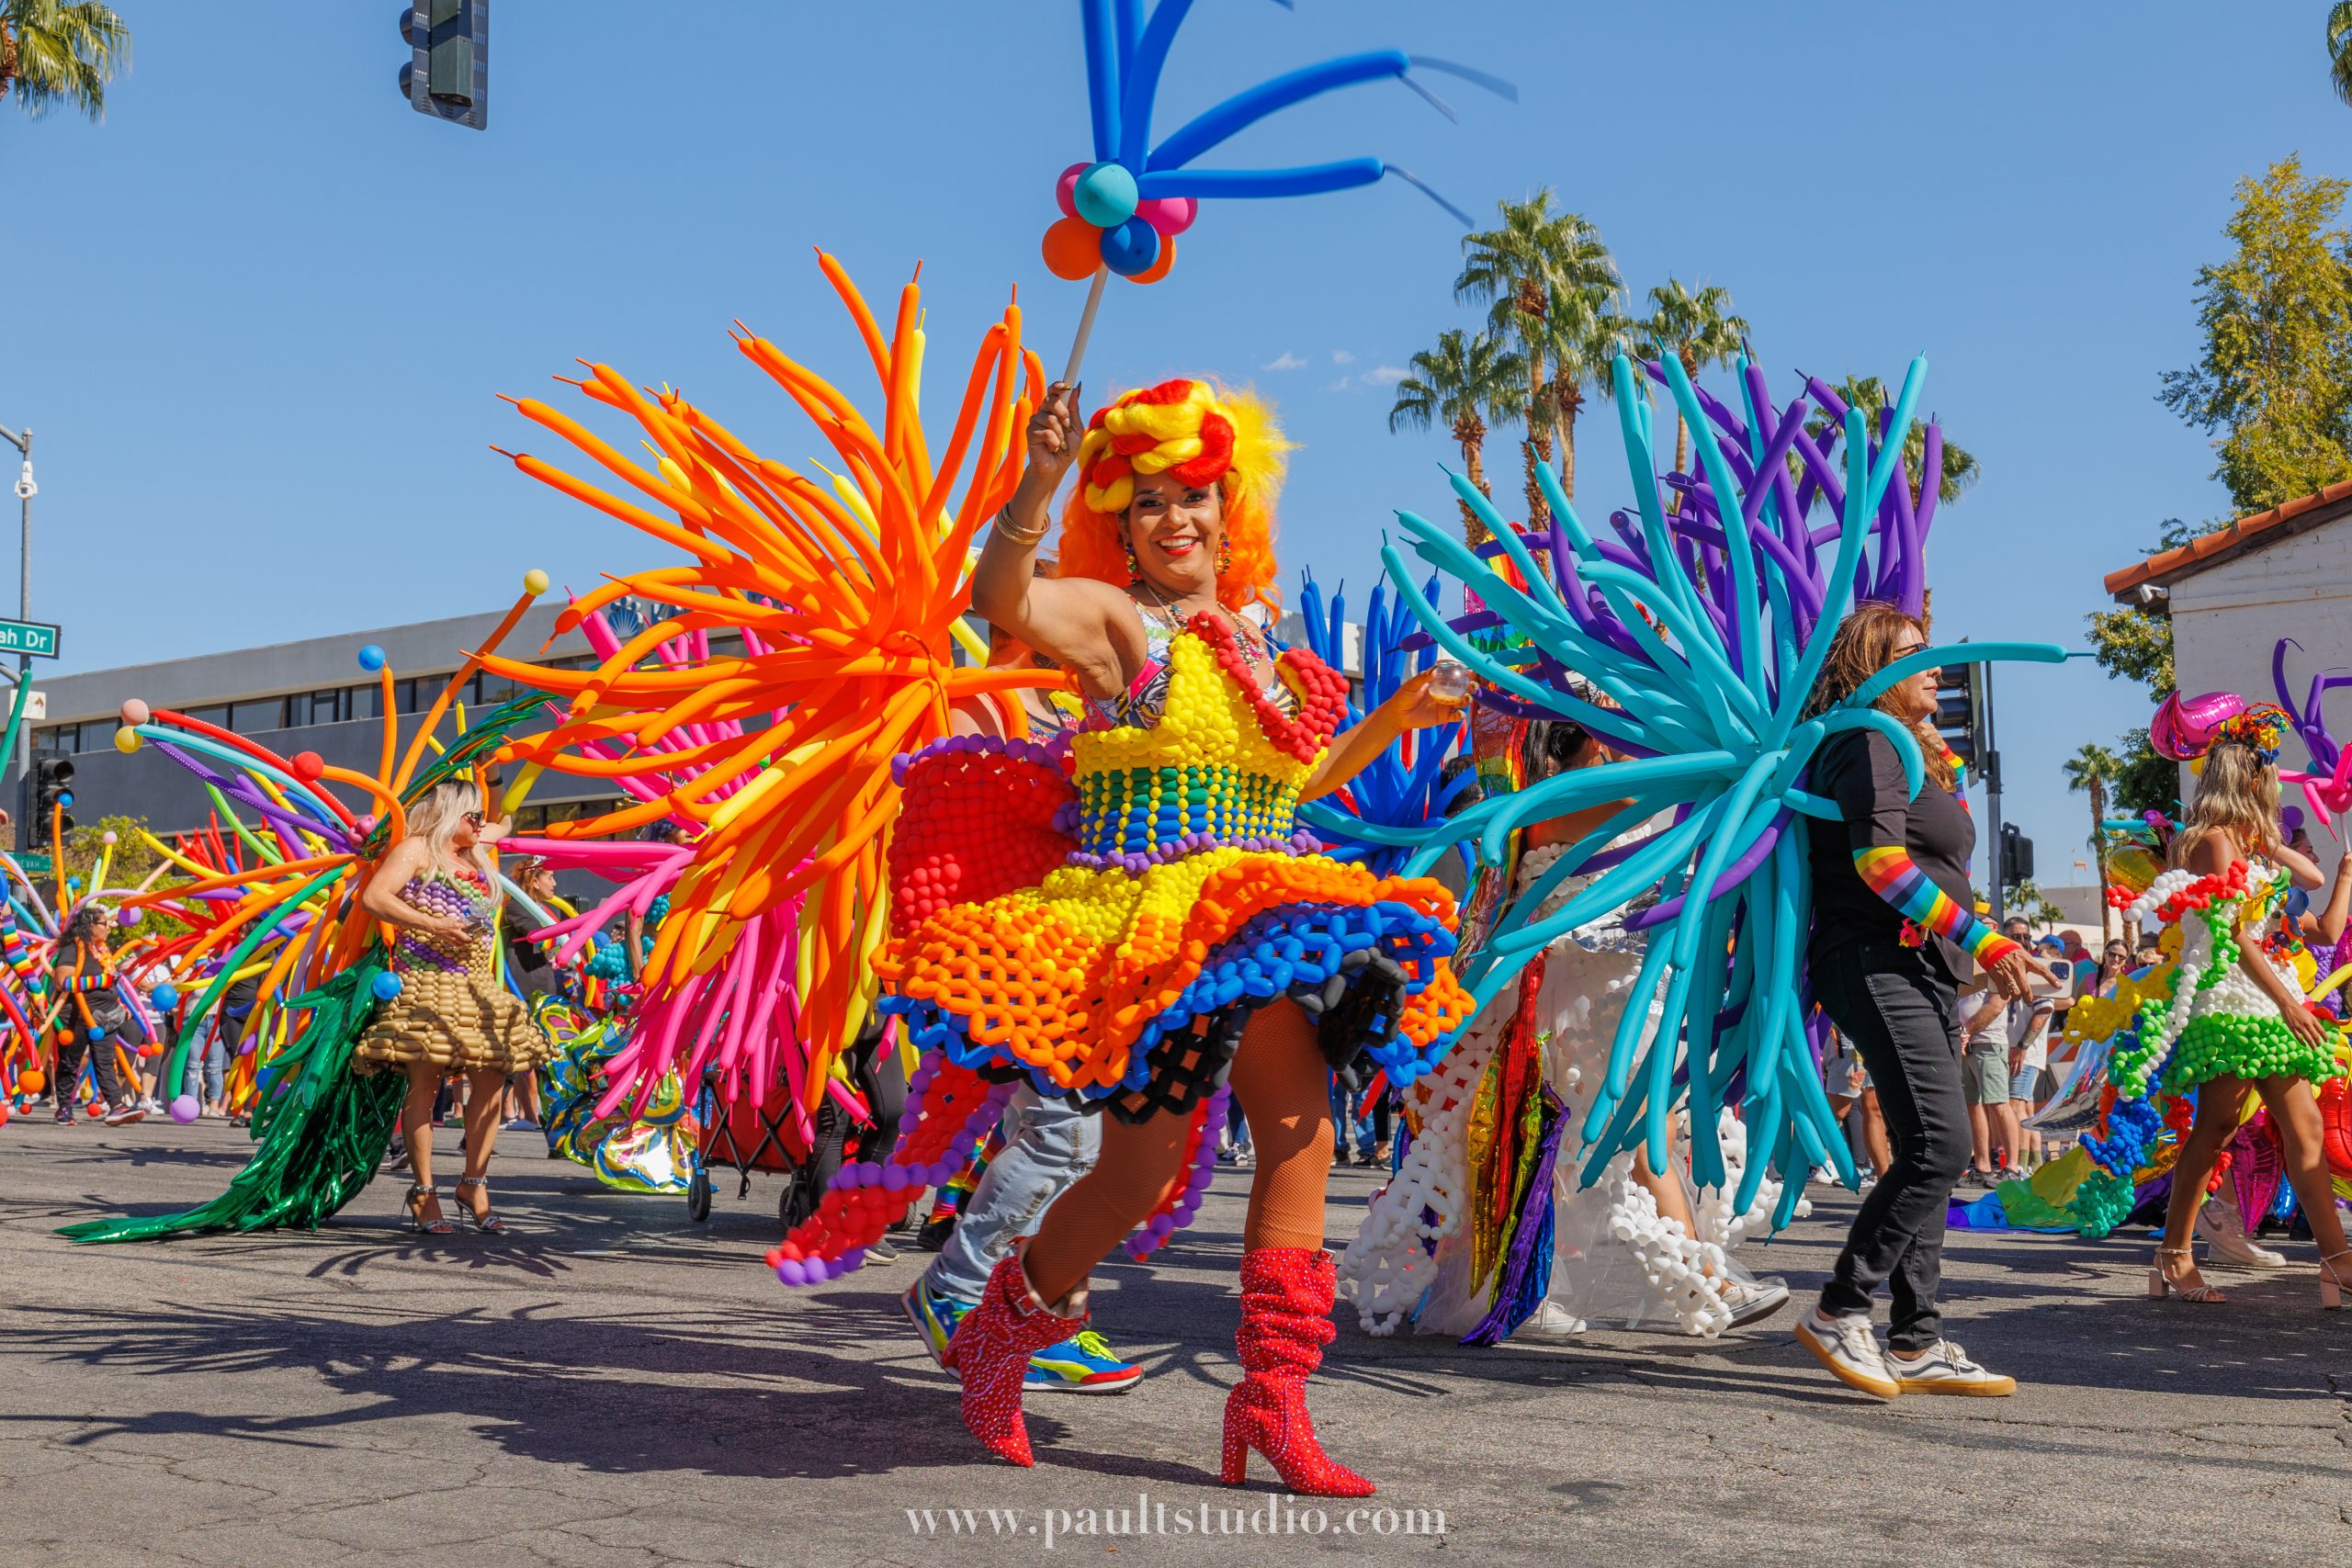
<point x="1122" y="208"/>
<point x="774" y="763"/>
<point x="1703" y="629"/>
<point x="2328" y="785"/>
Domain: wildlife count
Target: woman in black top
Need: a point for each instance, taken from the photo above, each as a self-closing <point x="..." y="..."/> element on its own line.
<point x="91" y="1018"/>
<point x="1893" y="916"/>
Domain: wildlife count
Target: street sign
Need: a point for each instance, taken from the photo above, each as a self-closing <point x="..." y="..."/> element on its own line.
<point x="29" y="636"/>
<point x="37" y="864"/>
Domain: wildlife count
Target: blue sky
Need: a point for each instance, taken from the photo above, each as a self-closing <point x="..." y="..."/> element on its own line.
<point x="258" y="319"/>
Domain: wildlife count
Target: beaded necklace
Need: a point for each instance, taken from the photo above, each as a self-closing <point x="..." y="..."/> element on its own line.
<point x="1173" y="617"/>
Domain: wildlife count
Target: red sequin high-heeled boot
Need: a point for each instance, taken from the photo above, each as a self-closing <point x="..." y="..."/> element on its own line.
<point x="991" y="1351"/>
<point x="1285" y="1322"/>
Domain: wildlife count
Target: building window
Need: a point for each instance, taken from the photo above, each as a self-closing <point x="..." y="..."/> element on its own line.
<point x="214" y="714"/>
<point x="319" y="707"/>
<point x="415" y="693"/>
<point x="57" y="740"/>
<point x="538" y="819"/>
<point x="260" y="716"/>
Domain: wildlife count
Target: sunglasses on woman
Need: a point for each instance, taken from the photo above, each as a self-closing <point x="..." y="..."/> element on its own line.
<point x="474" y="818"/>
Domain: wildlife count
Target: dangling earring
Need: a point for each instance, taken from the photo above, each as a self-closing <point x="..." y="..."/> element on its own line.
<point x="1135" y="568"/>
<point x="1224" y="556"/>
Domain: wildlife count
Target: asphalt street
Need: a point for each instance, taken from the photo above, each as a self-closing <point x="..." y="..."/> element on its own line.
<point x="610" y="1385"/>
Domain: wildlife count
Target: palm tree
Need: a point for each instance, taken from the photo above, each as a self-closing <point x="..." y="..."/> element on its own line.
<point x="2339" y="48"/>
<point x="1697" y="328"/>
<point x="1535" y="259"/>
<point x="1465" y="381"/>
<point x="1587" y="329"/>
<point x="2093" y="769"/>
<point x="1868" y="393"/>
<point x="61" y="52"/>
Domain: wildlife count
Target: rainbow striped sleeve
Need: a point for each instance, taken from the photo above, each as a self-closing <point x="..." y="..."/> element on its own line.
<point x="1889" y="872"/>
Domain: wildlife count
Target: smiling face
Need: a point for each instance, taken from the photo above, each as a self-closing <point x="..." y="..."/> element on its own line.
<point x="1176" y="531"/>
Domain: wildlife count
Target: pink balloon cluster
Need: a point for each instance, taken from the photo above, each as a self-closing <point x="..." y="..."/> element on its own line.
<point x="739" y="1021"/>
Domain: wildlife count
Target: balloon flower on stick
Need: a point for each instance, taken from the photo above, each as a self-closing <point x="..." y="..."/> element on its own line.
<point x="1122" y="208"/>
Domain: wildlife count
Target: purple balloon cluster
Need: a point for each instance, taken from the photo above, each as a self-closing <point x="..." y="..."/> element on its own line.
<point x="2310" y="720"/>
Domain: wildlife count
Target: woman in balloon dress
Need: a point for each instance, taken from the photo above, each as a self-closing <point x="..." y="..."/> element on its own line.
<point x="1192" y="933"/>
<point x="450" y="1013"/>
<point x="1633" y="1249"/>
<point x="2237" y="1024"/>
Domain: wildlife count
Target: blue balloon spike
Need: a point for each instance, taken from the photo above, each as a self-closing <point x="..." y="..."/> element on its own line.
<point x="1702" y="627"/>
<point x="1385" y="810"/>
<point x="1127" y="60"/>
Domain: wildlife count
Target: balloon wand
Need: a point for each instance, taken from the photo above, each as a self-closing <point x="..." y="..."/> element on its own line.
<point x="1085" y="326"/>
<point x="1122" y="208"/>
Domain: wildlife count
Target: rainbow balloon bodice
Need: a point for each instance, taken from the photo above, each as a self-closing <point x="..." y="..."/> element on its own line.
<point x="1222" y="766"/>
<point x="1088" y="930"/>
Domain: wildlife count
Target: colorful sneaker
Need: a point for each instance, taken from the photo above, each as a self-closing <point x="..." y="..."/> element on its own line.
<point x="1946" y="1368"/>
<point x="934" y="1316"/>
<point x="1080" y="1364"/>
<point x="124" y="1114"/>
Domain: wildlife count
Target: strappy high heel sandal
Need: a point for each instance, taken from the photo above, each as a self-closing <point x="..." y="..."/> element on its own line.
<point x="2331" y="1284"/>
<point x="416" y="1220"/>
<point x="486" y="1222"/>
<point x="2161" y="1284"/>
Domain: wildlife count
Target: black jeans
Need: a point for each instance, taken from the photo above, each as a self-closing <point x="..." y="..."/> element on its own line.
<point x="102" y="1063"/>
<point x="1901" y="1015"/>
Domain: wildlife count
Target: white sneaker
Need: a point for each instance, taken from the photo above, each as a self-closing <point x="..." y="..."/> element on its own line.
<point x="1752" y="1301"/>
<point x="1552" y="1321"/>
<point x="2218" y="1222"/>
<point x="1946" y="1368"/>
<point x="1849" y="1347"/>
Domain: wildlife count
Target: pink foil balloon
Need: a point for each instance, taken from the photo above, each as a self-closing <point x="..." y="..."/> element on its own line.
<point x="2183" y="727"/>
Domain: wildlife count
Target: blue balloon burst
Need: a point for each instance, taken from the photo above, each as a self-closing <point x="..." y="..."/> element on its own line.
<point x="1703" y="665"/>
<point x="1127" y="56"/>
<point x="1384" y="811"/>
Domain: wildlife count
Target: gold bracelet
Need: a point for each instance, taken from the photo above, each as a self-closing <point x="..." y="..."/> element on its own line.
<point x="1007" y="529"/>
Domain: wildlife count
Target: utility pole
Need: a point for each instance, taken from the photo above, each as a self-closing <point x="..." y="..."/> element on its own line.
<point x="26" y="490"/>
<point x="1989" y="751"/>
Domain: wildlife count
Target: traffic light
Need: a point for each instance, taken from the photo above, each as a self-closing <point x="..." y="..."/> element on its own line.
<point x="2017" y="856"/>
<point x="1957" y="709"/>
<point x="52" y="800"/>
<point x="447" y="75"/>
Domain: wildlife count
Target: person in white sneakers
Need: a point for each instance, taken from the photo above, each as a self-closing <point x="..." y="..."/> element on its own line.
<point x="1892" y="918"/>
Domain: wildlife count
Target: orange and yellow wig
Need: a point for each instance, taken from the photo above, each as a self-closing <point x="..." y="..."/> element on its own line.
<point x="1203" y="436"/>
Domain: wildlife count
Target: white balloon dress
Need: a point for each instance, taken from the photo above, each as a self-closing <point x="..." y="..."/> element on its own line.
<point x="1616" y="1261"/>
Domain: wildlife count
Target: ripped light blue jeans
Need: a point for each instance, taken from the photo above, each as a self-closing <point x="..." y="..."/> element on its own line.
<point x="1049" y="1144"/>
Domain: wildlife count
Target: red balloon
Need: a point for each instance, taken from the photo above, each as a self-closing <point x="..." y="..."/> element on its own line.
<point x="309" y="766"/>
<point x="1074" y="249"/>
